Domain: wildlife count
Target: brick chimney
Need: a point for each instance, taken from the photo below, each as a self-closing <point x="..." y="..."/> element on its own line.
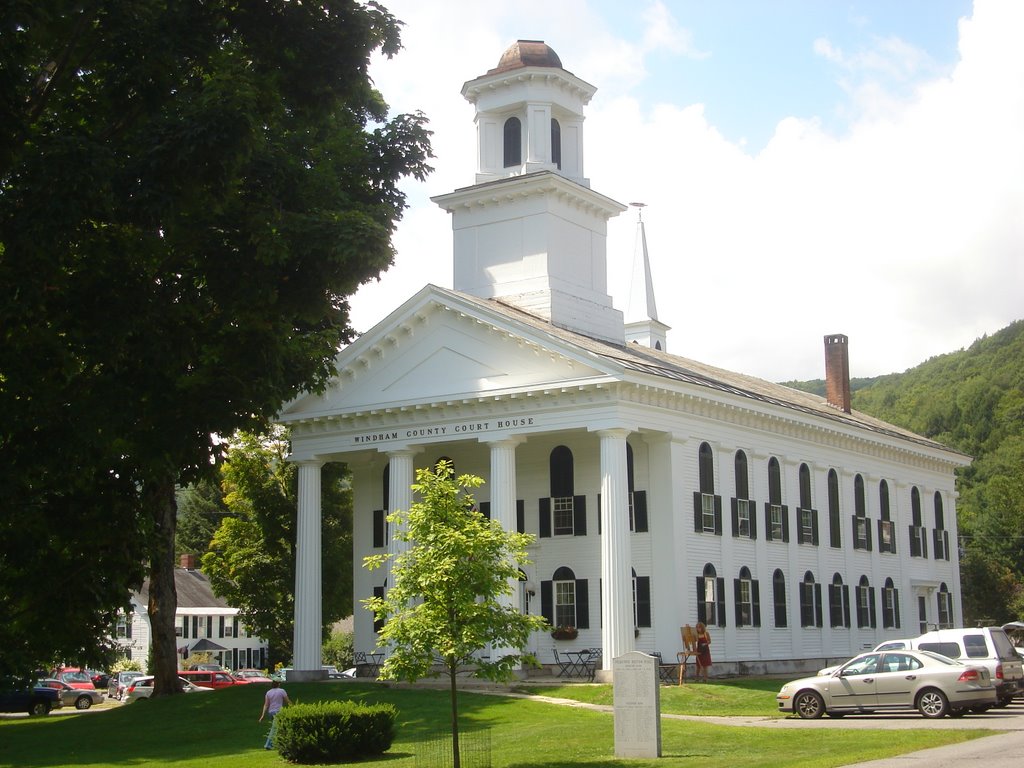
<point x="188" y="562"/>
<point x="837" y="371"/>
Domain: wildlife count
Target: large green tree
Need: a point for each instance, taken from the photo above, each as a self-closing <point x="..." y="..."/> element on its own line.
<point x="189" y="189"/>
<point x="445" y="602"/>
<point x="201" y="509"/>
<point x="251" y="559"/>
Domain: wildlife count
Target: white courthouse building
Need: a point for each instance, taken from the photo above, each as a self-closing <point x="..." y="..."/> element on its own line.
<point x="662" y="491"/>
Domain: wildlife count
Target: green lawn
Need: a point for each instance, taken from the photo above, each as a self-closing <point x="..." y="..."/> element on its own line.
<point x="220" y="729"/>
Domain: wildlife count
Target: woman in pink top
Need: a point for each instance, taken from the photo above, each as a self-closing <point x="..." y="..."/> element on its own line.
<point x="272" y="703"/>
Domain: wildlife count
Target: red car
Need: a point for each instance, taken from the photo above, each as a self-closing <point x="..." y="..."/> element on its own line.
<point x="74" y="677"/>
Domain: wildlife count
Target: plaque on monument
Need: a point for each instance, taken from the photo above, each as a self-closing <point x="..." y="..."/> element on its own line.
<point x="637" y="705"/>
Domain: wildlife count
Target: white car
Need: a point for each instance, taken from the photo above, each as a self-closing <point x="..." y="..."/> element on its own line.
<point x="142" y="688"/>
<point x="894" y="680"/>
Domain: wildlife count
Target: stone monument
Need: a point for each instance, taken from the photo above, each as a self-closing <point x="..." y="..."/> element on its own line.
<point x="637" y="705"/>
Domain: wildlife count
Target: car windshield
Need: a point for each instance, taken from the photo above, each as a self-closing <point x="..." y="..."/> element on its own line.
<point x="940" y="658"/>
<point x="75" y="677"/>
<point x="865" y="665"/>
<point x="1004" y="648"/>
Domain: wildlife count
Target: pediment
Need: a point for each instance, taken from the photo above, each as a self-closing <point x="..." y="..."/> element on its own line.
<point x="438" y="353"/>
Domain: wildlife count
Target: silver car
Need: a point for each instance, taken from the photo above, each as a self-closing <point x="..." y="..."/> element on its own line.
<point x="892" y="681"/>
<point x="79" y="698"/>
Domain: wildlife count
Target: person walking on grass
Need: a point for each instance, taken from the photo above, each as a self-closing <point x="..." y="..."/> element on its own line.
<point x="703" y="651"/>
<point x="275" y="699"/>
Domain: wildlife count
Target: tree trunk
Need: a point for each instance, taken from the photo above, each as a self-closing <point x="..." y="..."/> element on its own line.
<point x="163" y="598"/>
<point x="452" y="669"/>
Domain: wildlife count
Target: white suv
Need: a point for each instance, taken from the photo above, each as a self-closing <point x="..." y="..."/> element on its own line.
<point x="981" y="646"/>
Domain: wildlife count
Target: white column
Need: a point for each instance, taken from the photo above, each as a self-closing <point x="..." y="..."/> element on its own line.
<point x="503" y="511"/>
<point x="616" y="577"/>
<point x="308" y="584"/>
<point x="400" y="479"/>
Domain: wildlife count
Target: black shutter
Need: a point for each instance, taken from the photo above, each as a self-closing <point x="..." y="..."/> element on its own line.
<point x="547" y="602"/>
<point x="701" y="612"/>
<point x="945" y="545"/>
<point x="915" y="543"/>
<point x="698" y="513"/>
<point x="639" y="512"/>
<point x="856" y="538"/>
<point x="846" y="605"/>
<point x="520" y="516"/>
<point x="814" y="527"/>
<point x="221" y="626"/>
<point x="544" y="520"/>
<point x="736" y="602"/>
<point x="881" y="538"/>
<point x="718" y="515"/>
<point x="582" y="605"/>
<point x="874" y="616"/>
<point x="195" y="626"/>
<point x="752" y="511"/>
<point x="896" y="607"/>
<point x="378" y="528"/>
<point x="867" y="529"/>
<point x="755" y="594"/>
<point x="735" y="517"/>
<point x="785" y="523"/>
<point x="817" y="605"/>
<point x="184" y="626"/>
<point x="720" y="595"/>
<point x="485" y="509"/>
<point x="835" y="614"/>
<point x="128" y="621"/>
<point x="892" y="537"/>
<point x="924" y="542"/>
<point x="599" y="514"/>
<point x="768" y="521"/>
<point x="643" y="601"/>
<point x="579" y="515"/>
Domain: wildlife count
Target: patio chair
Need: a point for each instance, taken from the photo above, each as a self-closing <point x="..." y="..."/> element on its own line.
<point x="564" y="665"/>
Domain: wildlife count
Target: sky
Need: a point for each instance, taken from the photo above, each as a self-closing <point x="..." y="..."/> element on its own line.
<point x="809" y="167"/>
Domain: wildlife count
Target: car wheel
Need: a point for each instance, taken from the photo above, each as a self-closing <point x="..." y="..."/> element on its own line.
<point x="809" y="705"/>
<point x="83" y="702"/>
<point x="932" y="703"/>
<point x="40" y="708"/>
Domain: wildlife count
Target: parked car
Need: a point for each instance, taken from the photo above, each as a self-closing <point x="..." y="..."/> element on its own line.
<point x="932" y="684"/>
<point x="37" y="700"/>
<point x="989" y="647"/>
<point x="120" y="681"/>
<point x="252" y="675"/>
<point x="72" y="697"/>
<point x="886" y="645"/>
<point x="332" y="672"/>
<point x="142" y="688"/>
<point x="212" y="679"/>
<point x="74" y="677"/>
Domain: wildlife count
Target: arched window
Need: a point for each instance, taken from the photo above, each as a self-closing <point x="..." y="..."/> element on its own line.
<point x="779" y="598"/>
<point x="748" y="600"/>
<point x="945" y="606"/>
<point x="744" y="521"/>
<point x="707" y="507"/>
<point x="810" y="602"/>
<point x="861" y="528"/>
<point x="556" y="143"/>
<point x="886" y="537"/>
<point x="513" y="143"/>
<point x="711" y="597"/>
<point x="834" y="524"/>
<point x="918" y="537"/>
<point x="940" y="536"/>
<point x="806" y="514"/>
<point x="865" y="604"/>
<point x="776" y="522"/>
<point x="562" y="514"/>
<point x="838" y="602"/>
<point x="890" y="605"/>
<point x="564" y="600"/>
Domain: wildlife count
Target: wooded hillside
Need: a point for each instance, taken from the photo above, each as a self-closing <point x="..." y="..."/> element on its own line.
<point x="972" y="400"/>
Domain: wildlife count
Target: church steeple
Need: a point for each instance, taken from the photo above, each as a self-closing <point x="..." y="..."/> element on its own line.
<point x="642" y="324"/>
<point x="529" y="115"/>
<point x="531" y="231"/>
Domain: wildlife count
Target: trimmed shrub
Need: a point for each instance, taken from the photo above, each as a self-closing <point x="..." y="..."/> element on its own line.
<point x="334" y="731"/>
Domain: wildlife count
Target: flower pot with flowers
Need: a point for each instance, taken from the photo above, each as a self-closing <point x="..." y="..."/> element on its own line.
<point x="564" y="632"/>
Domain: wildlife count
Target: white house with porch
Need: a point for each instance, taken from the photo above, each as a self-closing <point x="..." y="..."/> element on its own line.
<point x="662" y="491"/>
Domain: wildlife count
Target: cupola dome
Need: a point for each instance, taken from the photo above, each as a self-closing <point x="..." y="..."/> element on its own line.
<point x="527" y="53"/>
